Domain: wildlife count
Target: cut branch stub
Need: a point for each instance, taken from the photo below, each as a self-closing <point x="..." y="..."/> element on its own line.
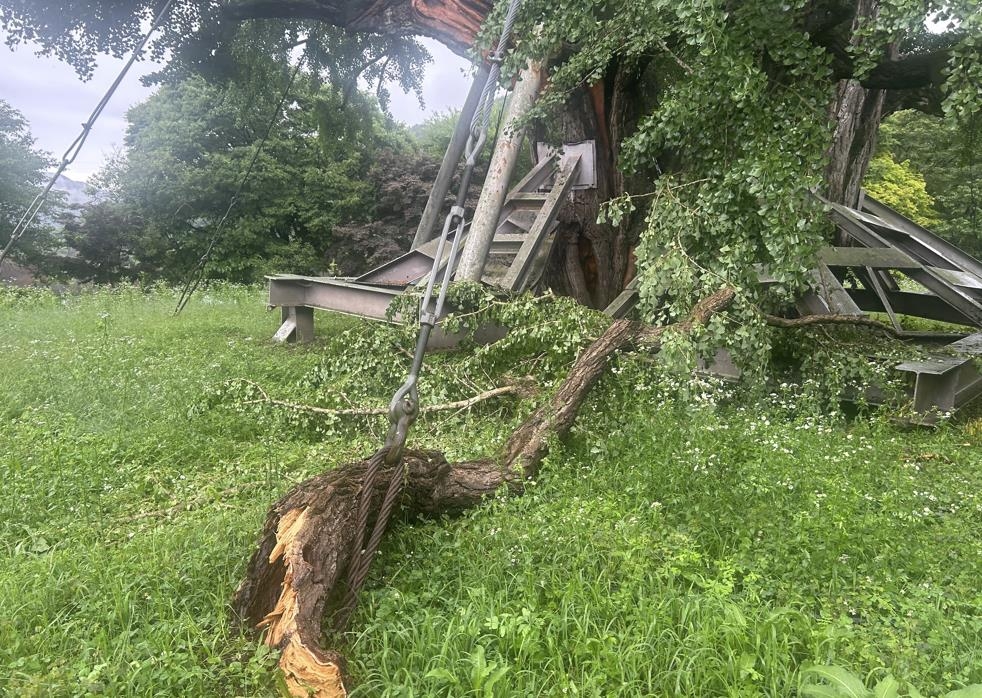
<point x="298" y="570"/>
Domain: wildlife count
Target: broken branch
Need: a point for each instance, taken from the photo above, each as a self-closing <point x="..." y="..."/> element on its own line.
<point x="298" y="569"/>
<point x="808" y="320"/>
<point x="370" y="411"/>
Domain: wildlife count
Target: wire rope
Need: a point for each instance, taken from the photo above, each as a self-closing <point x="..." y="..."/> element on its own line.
<point x="196" y="275"/>
<point x="405" y="403"/>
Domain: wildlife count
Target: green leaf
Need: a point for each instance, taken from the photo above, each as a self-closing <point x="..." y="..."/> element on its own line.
<point x="442" y="674"/>
<point x="820" y="691"/>
<point x="973" y="691"/>
<point x="845" y="682"/>
<point x="888" y="687"/>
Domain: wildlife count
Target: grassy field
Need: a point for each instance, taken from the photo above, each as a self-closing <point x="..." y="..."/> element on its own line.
<point x="669" y="548"/>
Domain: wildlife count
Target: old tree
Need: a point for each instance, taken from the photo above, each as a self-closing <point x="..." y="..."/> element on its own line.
<point x="713" y="120"/>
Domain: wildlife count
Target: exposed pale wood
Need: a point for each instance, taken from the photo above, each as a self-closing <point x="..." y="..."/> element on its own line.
<point x="487" y="213"/>
<point x="453" y="22"/>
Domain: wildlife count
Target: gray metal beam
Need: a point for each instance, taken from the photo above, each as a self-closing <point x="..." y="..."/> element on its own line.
<point x="399" y="272"/>
<point x="330" y="294"/>
<point x="425" y="231"/>
<point x="876" y="257"/>
<point x="828" y="287"/>
<point x="625" y="301"/>
<point x="958" y="258"/>
<point x="917" y="304"/>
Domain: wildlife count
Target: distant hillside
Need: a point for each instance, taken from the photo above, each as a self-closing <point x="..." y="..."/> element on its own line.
<point x="75" y="192"/>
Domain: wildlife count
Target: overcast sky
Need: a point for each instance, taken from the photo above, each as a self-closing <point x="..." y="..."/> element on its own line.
<point x="55" y="102"/>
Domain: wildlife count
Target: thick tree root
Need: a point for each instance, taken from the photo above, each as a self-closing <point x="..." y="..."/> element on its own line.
<point x="297" y="575"/>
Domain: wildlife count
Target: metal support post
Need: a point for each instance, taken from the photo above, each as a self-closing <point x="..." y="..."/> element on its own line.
<point x="434" y="204"/>
<point x="500" y="170"/>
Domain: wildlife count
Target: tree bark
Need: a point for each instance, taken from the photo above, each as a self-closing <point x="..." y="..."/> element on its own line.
<point x="297" y="572"/>
<point x="454" y="23"/>
<point x="494" y="190"/>
<point x="857" y="113"/>
<point x="593" y="262"/>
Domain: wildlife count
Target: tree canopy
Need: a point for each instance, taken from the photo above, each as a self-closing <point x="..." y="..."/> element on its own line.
<point x="22" y="168"/>
<point x="716" y="120"/>
<point x="331" y="187"/>
<point x="947" y="155"/>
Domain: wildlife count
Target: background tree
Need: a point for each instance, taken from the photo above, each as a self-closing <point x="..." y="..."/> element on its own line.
<point x="720" y="117"/>
<point x="901" y="187"/>
<point x="105" y="237"/>
<point x="333" y="164"/>
<point x="947" y="156"/>
<point x="21" y="173"/>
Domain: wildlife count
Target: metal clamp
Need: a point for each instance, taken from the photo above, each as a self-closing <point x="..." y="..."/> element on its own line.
<point x="473" y="147"/>
<point x="403" y="411"/>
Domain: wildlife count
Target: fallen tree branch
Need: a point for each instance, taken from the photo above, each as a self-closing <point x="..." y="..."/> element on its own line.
<point x="511" y="389"/>
<point x="296" y="574"/>
<point x="808" y="320"/>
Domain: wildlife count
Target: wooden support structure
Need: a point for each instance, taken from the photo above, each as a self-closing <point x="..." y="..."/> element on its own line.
<point x="516" y="258"/>
<point x="425" y="231"/>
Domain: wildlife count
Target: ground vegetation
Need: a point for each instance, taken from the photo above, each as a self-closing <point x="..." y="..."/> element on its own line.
<point x="681" y="540"/>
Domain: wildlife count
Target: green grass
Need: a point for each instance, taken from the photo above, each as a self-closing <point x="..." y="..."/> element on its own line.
<point x="698" y="550"/>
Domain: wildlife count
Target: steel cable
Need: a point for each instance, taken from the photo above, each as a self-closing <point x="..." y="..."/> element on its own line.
<point x="364" y="550"/>
<point x="197" y="274"/>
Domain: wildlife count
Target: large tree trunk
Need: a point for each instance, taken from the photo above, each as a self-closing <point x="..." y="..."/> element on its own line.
<point x="592" y="262"/>
<point x="313" y="535"/>
<point x="856" y="112"/>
